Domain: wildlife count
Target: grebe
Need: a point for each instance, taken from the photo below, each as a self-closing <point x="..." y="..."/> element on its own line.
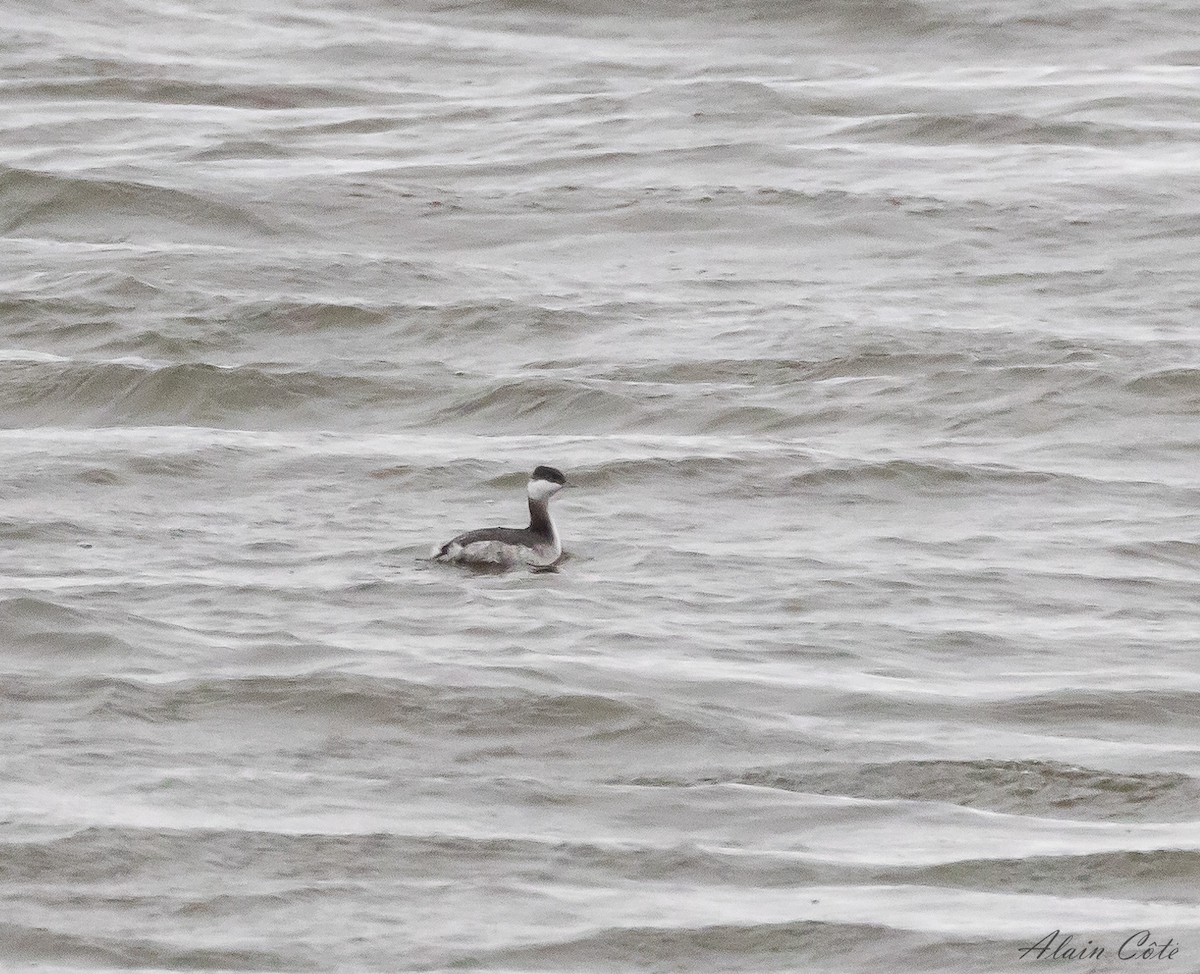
<point x="537" y="545"/>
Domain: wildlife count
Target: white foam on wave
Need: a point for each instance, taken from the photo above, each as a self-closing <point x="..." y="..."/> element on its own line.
<point x="29" y="355"/>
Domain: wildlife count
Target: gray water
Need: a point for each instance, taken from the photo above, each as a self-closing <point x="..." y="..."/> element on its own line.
<point x="869" y="330"/>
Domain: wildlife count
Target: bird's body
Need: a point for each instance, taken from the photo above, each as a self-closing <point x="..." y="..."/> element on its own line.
<point x="537" y="545"/>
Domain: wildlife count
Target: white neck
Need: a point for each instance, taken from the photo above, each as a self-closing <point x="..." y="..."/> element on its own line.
<point x="543" y="490"/>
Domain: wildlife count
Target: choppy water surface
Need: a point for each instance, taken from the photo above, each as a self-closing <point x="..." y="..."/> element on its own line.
<point x="869" y="330"/>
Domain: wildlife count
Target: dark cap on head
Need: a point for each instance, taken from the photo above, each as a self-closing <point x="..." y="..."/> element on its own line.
<point x="548" y="473"/>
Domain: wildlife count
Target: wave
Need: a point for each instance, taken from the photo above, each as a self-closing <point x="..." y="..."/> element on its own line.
<point x="930" y="477"/>
<point x="106" y="854"/>
<point x="40" y="631"/>
<point x="1178" y="709"/>
<point x="39" y="945"/>
<point x="725" y="947"/>
<point x="1159" y="875"/>
<point x="940" y="361"/>
<point x="431" y="394"/>
<point x="41" y="529"/>
<point x="362" y="701"/>
<point x="894" y="16"/>
<point x="231" y="149"/>
<point x="1038" y="788"/>
<point x="71" y="207"/>
<point x="25" y="615"/>
<point x="585" y="405"/>
<point x="1185" y="554"/>
<point x="1180" y="385"/>
<point x="711" y="469"/>
<point x="83" y="393"/>
<point x="927" y="128"/>
<point x="300" y="317"/>
<point x="91" y="312"/>
<point x="545" y="404"/>
<point x="113" y="80"/>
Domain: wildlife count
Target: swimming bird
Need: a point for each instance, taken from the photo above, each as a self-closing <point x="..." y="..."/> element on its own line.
<point x="537" y="545"/>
